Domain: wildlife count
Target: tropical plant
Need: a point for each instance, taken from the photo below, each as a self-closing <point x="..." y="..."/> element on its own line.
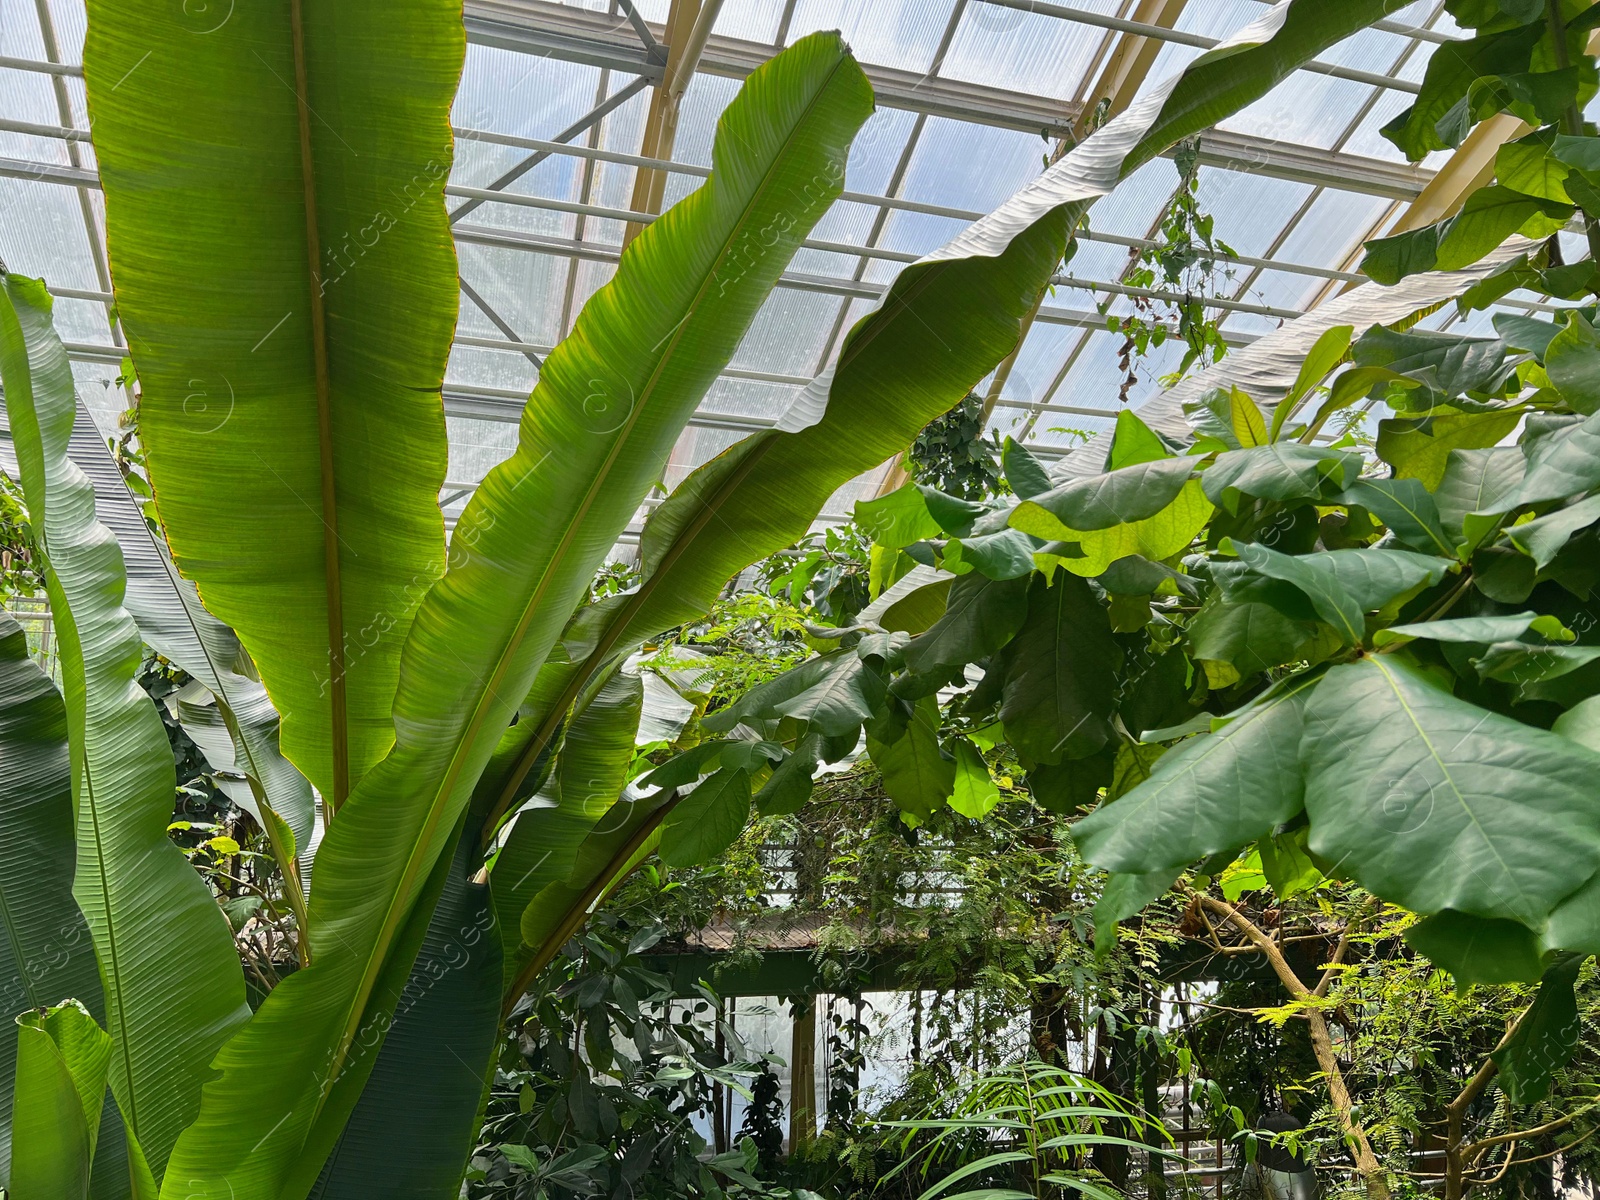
<point x="1038" y="1123"/>
<point x="288" y="292"/>
<point x="1245" y="637"/>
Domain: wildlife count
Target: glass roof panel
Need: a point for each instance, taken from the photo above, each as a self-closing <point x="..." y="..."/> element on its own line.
<point x="893" y="33"/>
<point x="751" y="20"/>
<point x="1034" y="53"/>
<point x="536" y="267"/>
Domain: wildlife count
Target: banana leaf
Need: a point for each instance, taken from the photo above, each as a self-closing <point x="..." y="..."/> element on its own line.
<point x="944" y="324"/>
<point x="284" y="271"/>
<point x="610" y="403"/>
<point x="412" y="1131"/>
<point x="177" y="626"/>
<point x="174" y="990"/>
<point x="62" y="1057"/>
<point x="46" y="955"/>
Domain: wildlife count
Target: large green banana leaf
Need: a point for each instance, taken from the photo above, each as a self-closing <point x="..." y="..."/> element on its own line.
<point x="46" y="955"/>
<point x="590" y="772"/>
<point x="243" y="733"/>
<point x="62" y="1057"/>
<point x="412" y="1131"/>
<point x="274" y="182"/>
<point x="596" y="434"/>
<point x="943" y="325"/>
<point x="173" y="986"/>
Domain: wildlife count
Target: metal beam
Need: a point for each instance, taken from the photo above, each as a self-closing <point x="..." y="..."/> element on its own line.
<point x="559" y="31"/>
<point x="583" y="123"/>
<point x="598" y="44"/>
<point x="1159" y="33"/>
<point x="498" y="322"/>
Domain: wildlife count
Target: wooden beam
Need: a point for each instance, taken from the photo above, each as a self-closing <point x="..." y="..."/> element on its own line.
<point x="1128" y="64"/>
<point x="802" y="1073"/>
<point x="689" y="25"/>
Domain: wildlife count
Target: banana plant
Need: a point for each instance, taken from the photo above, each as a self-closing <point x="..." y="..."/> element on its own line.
<point x="288" y="291"/>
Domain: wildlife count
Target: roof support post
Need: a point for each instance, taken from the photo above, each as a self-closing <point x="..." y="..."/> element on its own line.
<point x="689" y="25"/>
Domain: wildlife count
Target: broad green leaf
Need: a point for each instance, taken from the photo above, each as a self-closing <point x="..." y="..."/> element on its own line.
<point x="1133" y="442"/>
<point x="1572" y="360"/>
<point x="174" y="989"/>
<point x="1060" y="674"/>
<point x="1444" y="363"/>
<point x="1209" y="793"/>
<point x="975" y="791"/>
<point x="789" y="786"/>
<point x="1474" y="484"/>
<point x="1023" y="472"/>
<point x="1327" y="352"/>
<point x="1527" y="165"/>
<point x="1407" y="508"/>
<point x="1248" y="636"/>
<point x="590" y="771"/>
<point x="1123" y="896"/>
<point x="524" y="552"/>
<point x="1446" y="82"/>
<point x="1090" y="553"/>
<point x="302" y="367"/>
<point x="830" y="694"/>
<point x="1560" y="464"/>
<point x="62" y="1056"/>
<point x="1072" y="785"/>
<point x="413" y="1129"/>
<point x="1575" y="923"/>
<point x="954" y="515"/>
<point x="1286" y="864"/>
<point x="1545" y="1037"/>
<point x="45" y="953"/>
<point x="898" y="519"/>
<point x="1489" y="216"/>
<point x="1542" y="538"/>
<point x="1007" y="554"/>
<point x="1101" y="502"/>
<point x="1433" y="803"/>
<point x="1420" y="447"/>
<point x="630" y="828"/>
<point x="239" y="731"/>
<point x="917" y="775"/>
<point x="1476" y="949"/>
<point x="1249" y="426"/>
<point x="1280" y="471"/>
<point x="1477" y="629"/>
<point x="1526" y="333"/>
<point x="980" y="616"/>
<point x="1525" y="664"/>
<point x="1581" y="723"/>
<point x="707" y="820"/>
<point x="1342" y="585"/>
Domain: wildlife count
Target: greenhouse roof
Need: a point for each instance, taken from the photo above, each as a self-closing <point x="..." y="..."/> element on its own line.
<point x="551" y="122"/>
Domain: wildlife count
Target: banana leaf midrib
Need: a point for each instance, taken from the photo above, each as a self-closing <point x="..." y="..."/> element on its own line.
<point x="613" y="634"/>
<point x="254" y="777"/>
<point x="330" y="500"/>
<point x="394" y="915"/>
<point x="618" y="626"/>
<point x="579" y="906"/>
<point x="112" y="976"/>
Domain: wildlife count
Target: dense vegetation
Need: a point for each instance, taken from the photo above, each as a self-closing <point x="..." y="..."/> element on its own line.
<point x="1258" y="752"/>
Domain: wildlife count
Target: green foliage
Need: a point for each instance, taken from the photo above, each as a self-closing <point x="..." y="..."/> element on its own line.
<point x="1184" y="259"/>
<point x="953" y="453"/>
<point x="429" y="690"/>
